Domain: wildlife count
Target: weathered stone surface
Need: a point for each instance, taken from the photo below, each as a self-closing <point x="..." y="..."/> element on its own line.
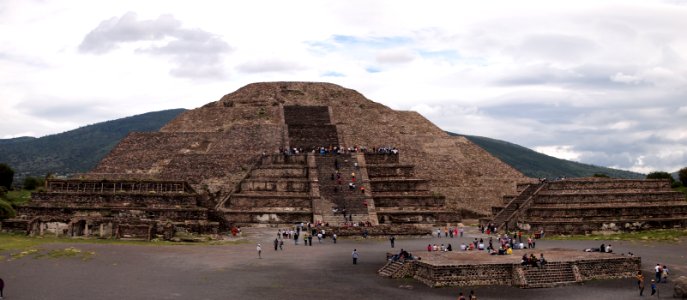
<point x="680" y="290"/>
<point x="590" y="204"/>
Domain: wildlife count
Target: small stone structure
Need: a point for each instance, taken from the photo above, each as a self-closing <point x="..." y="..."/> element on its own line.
<point x="441" y="269"/>
<point x="584" y="205"/>
<point x="112" y="209"/>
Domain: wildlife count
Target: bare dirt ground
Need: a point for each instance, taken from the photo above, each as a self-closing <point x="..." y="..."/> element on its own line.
<point x="323" y="271"/>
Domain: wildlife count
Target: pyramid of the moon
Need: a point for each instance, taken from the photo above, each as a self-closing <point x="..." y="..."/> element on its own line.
<point x="226" y="151"/>
<point x="275" y="153"/>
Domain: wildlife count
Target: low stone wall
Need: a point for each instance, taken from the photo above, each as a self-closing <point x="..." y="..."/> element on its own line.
<point x="463" y="275"/>
<point x="624" y="267"/>
<point x="382" y="230"/>
<point x="110" y="199"/>
<point x="390" y="171"/>
<point x="399" y="185"/>
<point x="437" y="275"/>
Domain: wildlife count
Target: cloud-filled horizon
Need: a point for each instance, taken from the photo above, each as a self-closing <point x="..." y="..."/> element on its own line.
<point x="599" y="82"/>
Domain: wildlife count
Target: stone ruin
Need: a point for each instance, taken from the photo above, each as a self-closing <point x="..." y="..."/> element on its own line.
<point x="226" y="155"/>
<point x="229" y="157"/>
<point x="586" y="205"/>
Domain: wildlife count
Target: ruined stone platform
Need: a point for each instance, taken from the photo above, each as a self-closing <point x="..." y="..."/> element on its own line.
<point x="475" y="268"/>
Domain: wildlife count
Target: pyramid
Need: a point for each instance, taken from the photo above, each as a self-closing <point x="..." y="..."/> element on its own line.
<point x="276" y="153"/>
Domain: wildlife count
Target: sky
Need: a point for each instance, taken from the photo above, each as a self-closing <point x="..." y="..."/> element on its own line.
<point x="600" y="82"/>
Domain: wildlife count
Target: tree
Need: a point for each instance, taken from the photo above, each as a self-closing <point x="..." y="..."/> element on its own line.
<point x="660" y="175"/>
<point x="31" y="183"/>
<point x="600" y="175"/>
<point x="6" y="176"/>
<point x="682" y="175"/>
<point x="6" y="210"/>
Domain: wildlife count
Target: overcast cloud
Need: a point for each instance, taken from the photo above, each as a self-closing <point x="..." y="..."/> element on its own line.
<point x="602" y="82"/>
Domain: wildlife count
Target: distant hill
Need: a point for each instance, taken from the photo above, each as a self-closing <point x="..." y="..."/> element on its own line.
<point x="538" y="165"/>
<point x="78" y="150"/>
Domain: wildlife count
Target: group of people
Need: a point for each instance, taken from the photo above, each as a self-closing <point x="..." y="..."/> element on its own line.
<point x="451" y="232"/>
<point x="341" y="150"/>
<point x="661" y="273"/>
<point x="533" y="261"/>
<point x="603" y="249"/>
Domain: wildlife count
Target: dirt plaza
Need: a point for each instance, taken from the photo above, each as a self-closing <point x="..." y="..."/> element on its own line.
<point x="323" y="270"/>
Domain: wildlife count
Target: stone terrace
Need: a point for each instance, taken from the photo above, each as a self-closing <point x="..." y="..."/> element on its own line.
<point x="138" y="209"/>
<point x="473" y="268"/>
<point x="584" y="205"/>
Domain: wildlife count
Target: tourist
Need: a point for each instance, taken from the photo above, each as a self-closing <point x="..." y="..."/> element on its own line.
<point x="446" y="232"/>
<point x="542" y="260"/>
<point x="472" y="295"/>
<point x="449" y="248"/>
<point x="429" y="247"/>
<point x="509" y="251"/>
<point x="392" y="240"/>
<point x="529" y="242"/>
<point x="310" y="239"/>
<point x="525" y="260"/>
<point x="658" y="271"/>
<point x="305" y="239"/>
<point x="664" y="274"/>
<point x="259" y="248"/>
<point x="438" y="233"/>
<point x="435" y="247"/>
<point x="609" y="249"/>
<point x="276" y="244"/>
<point x="462" y="231"/>
<point x="455" y="231"/>
<point x="653" y="287"/>
<point x="463" y="247"/>
<point x="442" y="248"/>
<point x="460" y="296"/>
<point x="640" y="283"/>
<point x="354" y="255"/>
<point x="295" y="238"/>
<point x="334" y="238"/>
<point x="281" y="244"/>
<point x="2" y="287"/>
<point x="319" y="238"/>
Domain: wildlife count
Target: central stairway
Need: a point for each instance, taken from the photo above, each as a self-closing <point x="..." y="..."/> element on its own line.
<point x="335" y="189"/>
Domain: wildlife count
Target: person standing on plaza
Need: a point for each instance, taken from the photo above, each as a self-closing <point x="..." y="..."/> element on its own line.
<point x="659" y="271"/>
<point x="334" y="238"/>
<point x="355" y="255"/>
<point x="640" y="283"/>
<point x="259" y="248"/>
<point x="276" y="244"/>
<point x="392" y="239"/>
<point x="462" y="231"/>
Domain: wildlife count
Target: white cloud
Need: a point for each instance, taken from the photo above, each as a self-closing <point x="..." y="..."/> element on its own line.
<point x="602" y="82"/>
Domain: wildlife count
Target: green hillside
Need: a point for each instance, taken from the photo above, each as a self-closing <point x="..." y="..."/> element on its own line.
<point x="538" y="165"/>
<point x="77" y="150"/>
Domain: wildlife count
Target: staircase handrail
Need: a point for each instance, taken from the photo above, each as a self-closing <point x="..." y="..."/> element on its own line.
<point x="523" y="205"/>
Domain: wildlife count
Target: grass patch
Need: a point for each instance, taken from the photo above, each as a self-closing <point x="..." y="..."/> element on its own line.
<point x="18" y="197"/>
<point x="9" y="241"/>
<point x="664" y="235"/>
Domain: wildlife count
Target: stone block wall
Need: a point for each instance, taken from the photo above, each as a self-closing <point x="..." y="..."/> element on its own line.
<point x="463" y="275"/>
<point x="610" y="268"/>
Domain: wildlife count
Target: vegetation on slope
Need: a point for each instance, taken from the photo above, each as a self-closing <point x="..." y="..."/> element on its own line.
<point x="77" y="150"/>
<point x="538" y="165"/>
